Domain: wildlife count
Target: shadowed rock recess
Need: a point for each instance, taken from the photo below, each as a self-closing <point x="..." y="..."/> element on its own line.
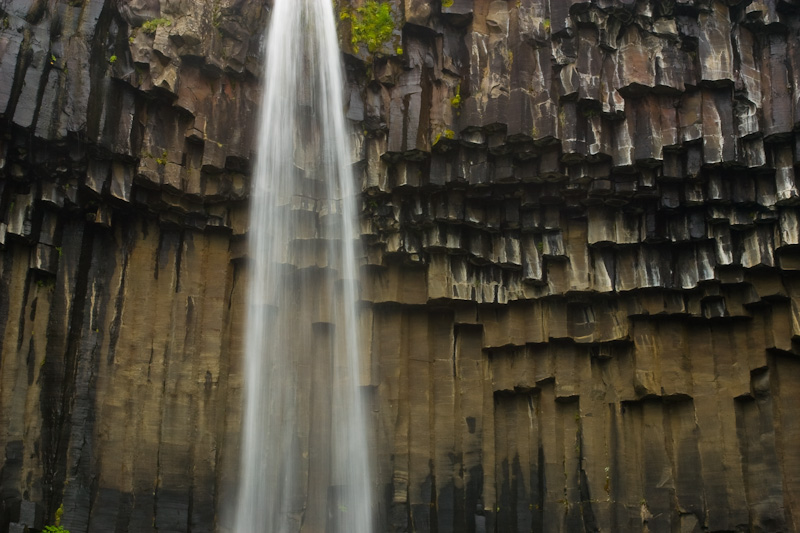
<point x="581" y="299"/>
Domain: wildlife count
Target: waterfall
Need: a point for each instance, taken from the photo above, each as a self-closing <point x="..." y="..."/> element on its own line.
<point x="304" y="456"/>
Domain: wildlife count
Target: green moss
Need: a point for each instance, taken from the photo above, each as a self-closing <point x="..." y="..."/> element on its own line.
<point x="456" y="100"/>
<point x="54" y="529"/>
<point x="546" y="24"/>
<point x="447" y="134"/>
<point x="216" y="15"/>
<point x="372" y="25"/>
<point x="163" y="159"/>
<point x="447" y="3"/>
<point x="151" y="26"/>
<point x="112" y="59"/>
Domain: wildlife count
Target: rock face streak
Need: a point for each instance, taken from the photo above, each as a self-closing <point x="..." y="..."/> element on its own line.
<point x="580" y="291"/>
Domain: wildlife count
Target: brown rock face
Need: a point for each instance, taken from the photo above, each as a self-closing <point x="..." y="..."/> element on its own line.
<point x="580" y="293"/>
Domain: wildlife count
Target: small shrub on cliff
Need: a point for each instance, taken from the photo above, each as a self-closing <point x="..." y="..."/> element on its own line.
<point x="372" y="25"/>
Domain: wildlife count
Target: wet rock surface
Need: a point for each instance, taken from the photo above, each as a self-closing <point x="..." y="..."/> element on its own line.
<point x="581" y="250"/>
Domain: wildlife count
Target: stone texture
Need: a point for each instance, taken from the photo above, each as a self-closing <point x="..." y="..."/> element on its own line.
<point x="580" y="273"/>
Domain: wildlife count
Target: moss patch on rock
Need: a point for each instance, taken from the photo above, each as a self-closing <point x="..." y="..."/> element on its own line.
<point x="372" y="25"/>
<point x="151" y="26"/>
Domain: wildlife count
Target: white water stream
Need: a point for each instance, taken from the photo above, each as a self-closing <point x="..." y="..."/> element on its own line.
<point x="304" y="456"/>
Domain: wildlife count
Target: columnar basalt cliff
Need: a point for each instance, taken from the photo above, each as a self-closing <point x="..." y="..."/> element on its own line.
<point x="580" y="288"/>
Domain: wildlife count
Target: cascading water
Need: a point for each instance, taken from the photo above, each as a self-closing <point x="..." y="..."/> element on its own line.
<point x="304" y="463"/>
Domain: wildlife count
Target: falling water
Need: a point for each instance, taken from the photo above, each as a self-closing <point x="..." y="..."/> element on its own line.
<point x="304" y="460"/>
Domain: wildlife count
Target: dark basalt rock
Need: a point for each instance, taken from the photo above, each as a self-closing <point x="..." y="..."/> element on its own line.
<point x="581" y="247"/>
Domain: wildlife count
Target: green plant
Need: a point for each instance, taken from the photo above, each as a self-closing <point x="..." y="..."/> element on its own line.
<point x="447" y="3"/>
<point x="372" y="25"/>
<point x="152" y="25"/>
<point x="456" y="100"/>
<point x="163" y="159"/>
<point x="546" y="24"/>
<point x="447" y="134"/>
<point x="112" y="59"/>
<point x="216" y="15"/>
<point x="57" y="527"/>
<point x="53" y="59"/>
